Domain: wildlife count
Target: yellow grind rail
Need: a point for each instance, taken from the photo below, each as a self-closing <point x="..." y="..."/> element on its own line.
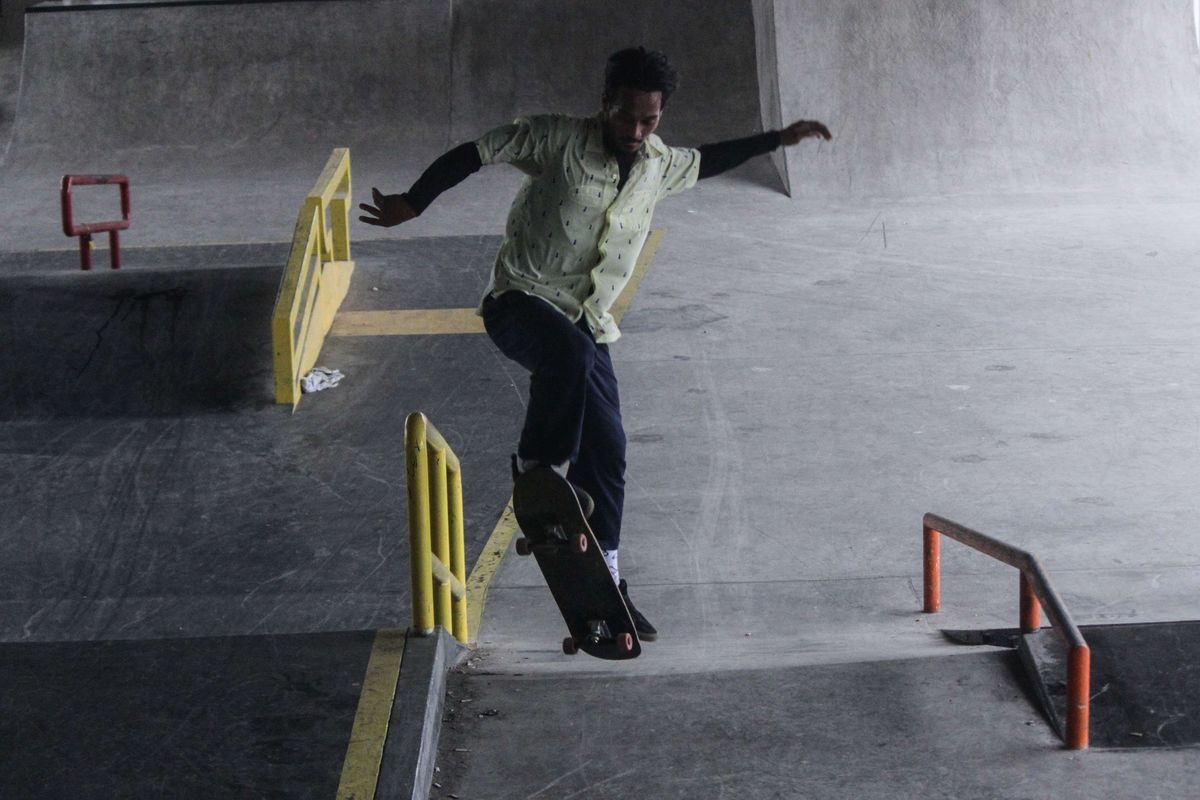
<point x="316" y="279"/>
<point x="435" y="530"/>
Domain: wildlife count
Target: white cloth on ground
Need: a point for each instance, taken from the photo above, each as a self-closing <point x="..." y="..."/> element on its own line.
<point x="319" y="379"/>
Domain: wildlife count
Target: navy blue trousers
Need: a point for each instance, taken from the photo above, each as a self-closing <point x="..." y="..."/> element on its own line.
<point x="574" y="411"/>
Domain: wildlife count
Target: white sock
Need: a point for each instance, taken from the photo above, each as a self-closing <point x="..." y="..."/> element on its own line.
<point x="610" y="558"/>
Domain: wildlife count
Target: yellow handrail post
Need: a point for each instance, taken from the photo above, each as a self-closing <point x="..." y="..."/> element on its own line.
<point x="420" y="565"/>
<point x="339" y="209"/>
<point x="436" y="536"/>
<point x="458" y="556"/>
<point x="316" y="278"/>
<point x="440" y="525"/>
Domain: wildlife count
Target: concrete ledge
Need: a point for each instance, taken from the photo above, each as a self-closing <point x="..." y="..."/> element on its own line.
<point x="412" y="741"/>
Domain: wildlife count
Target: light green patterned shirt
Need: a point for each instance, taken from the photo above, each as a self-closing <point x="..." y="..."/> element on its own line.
<point x="572" y="238"/>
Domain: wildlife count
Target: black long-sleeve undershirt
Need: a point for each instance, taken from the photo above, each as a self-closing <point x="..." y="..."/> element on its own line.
<point x="456" y="165"/>
<point x="448" y="170"/>
<point x="723" y="156"/>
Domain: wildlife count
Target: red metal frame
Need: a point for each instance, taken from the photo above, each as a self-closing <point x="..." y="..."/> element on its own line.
<point x="1035" y="591"/>
<point x="84" y="232"/>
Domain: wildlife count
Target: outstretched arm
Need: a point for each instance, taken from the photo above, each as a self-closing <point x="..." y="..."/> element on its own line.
<point x="723" y="156"/>
<point x="448" y="170"/>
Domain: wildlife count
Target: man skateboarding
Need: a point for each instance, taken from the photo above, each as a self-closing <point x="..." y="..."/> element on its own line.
<point x="574" y="233"/>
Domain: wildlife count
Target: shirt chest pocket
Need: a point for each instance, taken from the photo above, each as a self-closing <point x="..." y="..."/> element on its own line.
<point x="644" y="195"/>
<point x="592" y="192"/>
<point x="587" y="184"/>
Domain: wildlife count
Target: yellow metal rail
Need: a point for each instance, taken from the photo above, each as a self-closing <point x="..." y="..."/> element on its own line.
<point x="435" y="529"/>
<point x="316" y="279"/>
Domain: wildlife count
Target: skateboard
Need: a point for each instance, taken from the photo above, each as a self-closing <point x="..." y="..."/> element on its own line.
<point x="559" y="538"/>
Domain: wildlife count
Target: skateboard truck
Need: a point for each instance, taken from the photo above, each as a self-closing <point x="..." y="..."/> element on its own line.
<point x="598" y="633"/>
<point x="555" y="537"/>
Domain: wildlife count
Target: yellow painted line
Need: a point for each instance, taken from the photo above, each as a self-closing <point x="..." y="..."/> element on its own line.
<point x="485" y="569"/>
<point x="621" y="304"/>
<point x="360" y="769"/>
<point x="439" y="321"/>
<point x="408" y="322"/>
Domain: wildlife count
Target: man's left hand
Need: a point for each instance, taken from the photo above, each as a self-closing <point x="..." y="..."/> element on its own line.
<point x="389" y="210"/>
<point x="804" y="129"/>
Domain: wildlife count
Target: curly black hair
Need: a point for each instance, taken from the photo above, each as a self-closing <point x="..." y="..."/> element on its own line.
<point x="642" y="69"/>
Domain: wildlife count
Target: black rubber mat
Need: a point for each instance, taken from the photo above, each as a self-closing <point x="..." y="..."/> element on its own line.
<point x="261" y="716"/>
<point x="1145" y="682"/>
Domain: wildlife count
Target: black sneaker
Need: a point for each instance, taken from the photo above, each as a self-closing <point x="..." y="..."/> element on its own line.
<point x="645" y="631"/>
<point x="586" y="503"/>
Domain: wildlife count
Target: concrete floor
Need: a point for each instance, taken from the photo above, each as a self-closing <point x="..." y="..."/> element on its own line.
<point x="945" y="728"/>
<point x="802" y="379"/>
<point x="792" y="414"/>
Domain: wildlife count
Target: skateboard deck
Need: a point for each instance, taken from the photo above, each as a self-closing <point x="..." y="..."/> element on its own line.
<point x="559" y="538"/>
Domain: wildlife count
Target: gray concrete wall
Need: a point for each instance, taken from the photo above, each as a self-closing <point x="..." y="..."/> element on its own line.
<point x="223" y="115"/>
<point x="10" y="89"/>
<point x="402" y="79"/>
<point x="286" y="81"/>
<point x="934" y="97"/>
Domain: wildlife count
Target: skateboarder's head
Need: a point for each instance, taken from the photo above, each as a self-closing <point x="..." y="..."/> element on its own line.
<point x="637" y="84"/>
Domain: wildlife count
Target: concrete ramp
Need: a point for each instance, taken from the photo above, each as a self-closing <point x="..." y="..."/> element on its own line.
<point x="221" y="114"/>
<point x="936" y="97"/>
<point x="201" y="88"/>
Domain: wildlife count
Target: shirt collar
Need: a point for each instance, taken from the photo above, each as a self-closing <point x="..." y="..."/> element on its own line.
<point x="652" y="148"/>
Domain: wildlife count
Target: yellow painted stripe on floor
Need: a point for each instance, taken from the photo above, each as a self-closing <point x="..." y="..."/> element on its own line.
<point x="485" y="569"/>
<point x="435" y="321"/>
<point x="621" y="305"/>
<point x="407" y="322"/>
<point x="360" y="770"/>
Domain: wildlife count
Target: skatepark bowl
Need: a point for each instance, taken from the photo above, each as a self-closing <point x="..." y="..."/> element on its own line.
<point x="978" y="300"/>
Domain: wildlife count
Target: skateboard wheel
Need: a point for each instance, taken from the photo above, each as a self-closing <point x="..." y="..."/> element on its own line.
<point x="580" y="543"/>
<point x="625" y="643"/>
<point x="523" y="548"/>
<point x="569" y="646"/>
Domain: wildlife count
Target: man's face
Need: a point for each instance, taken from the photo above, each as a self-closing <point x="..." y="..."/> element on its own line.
<point x="630" y="115"/>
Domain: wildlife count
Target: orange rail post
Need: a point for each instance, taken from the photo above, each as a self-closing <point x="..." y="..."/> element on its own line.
<point x="933" y="571"/>
<point x="1031" y="612"/>
<point x="1079" y="689"/>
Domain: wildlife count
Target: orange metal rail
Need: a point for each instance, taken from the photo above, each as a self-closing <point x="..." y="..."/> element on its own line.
<point x="1034" y="587"/>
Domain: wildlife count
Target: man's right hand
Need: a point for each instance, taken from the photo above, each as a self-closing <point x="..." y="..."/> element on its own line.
<point x="389" y="209"/>
<point x="804" y="129"/>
